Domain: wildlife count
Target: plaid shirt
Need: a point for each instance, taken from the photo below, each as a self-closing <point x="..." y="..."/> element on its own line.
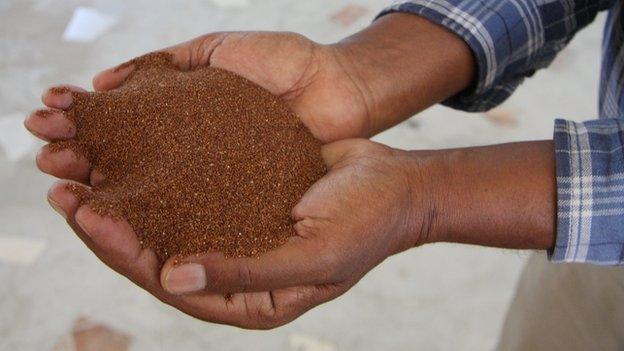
<point x="510" y="40"/>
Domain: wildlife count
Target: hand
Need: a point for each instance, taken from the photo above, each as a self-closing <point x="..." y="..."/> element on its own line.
<point x="361" y="212"/>
<point x="358" y="87"/>
<point x="310" y="77"/>
<point x="355" y="88"/>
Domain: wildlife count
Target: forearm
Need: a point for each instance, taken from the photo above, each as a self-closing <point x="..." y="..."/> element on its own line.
<point x="403" y="64"/>
<point x="501" y="195"/>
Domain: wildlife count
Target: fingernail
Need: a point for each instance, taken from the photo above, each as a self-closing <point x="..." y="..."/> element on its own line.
<point x="63" y="96"/>
<point x="78" y="218"/>
<point x="57" y="208"/>
<point x="185" y="279"/>
<point x="34" y="132"/>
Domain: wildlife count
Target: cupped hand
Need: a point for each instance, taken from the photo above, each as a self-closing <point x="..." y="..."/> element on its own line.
<point x="361" y="212"/>
<point x="310" y="77"/>
<point x="346" y="224"/>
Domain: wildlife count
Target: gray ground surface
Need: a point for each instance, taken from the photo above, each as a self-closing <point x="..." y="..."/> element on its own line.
<point x="441" y="297"/>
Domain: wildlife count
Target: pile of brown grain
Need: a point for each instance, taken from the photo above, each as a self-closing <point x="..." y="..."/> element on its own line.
<point x="195" y="161"/>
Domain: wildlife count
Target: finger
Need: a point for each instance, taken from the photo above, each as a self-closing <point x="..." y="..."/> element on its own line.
<point x="96" y="177"/>
<point x="290" y="303"/>
<point x="252" y="310"/>
<point x="241" y="310"/>
<point x="60" y="96"/>
<point x="64" y="164"/>
<point x="298" y="262"/>
<point x="112" y="241"/>
<point x="114" y="237"/>
<point x="113" y="77"/>
<point x="115" y="243"/>
<point x="255" y="310"/>
<point x="62" y="199"/>
<point x="50" y="125"/>
<point x="266" y="310"/>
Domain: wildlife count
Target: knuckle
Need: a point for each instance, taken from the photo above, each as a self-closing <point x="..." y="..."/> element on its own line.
<point x="202" y="48"/>
<point x="244" y="277"/>
<point x="298" y="212"/>
<point x="216" y="280"/>
<point x="261" y="315"/>
<point x="276" y="312"/>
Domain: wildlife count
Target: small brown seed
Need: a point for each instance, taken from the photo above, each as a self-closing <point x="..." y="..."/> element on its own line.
<point x="195" y="161"/>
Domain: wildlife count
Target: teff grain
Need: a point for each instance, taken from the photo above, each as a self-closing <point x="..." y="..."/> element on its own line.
<point x="195" y="161"/>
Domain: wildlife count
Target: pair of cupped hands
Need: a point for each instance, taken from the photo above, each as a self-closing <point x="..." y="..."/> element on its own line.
<point x="372" y="203"/>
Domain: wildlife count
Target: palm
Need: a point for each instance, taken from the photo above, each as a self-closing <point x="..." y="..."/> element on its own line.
<point x="327" y="233"/>
<point x="362" y="172"/>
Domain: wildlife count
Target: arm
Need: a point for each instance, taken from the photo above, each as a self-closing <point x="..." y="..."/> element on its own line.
<point x="469" y="57"/>
<point x="374" y="202"/>
<point x="399" y="55"/>
<point x="510" y="39"/>
<point x="501" y="195"/>
<point x="565" y="196"/>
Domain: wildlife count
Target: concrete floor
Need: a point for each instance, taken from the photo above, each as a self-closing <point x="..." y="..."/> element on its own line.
<point x="440" y="297"/>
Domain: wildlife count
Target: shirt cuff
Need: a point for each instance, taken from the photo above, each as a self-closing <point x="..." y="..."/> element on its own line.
<point x="590" y="192"/>
<point x="492" y="32"/>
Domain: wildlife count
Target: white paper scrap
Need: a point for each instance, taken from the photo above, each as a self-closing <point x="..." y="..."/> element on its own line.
<point x="19" y="250"/>
<point x="87" y="24"/>
<point x="15" y="141"/>
<point x="300" y="342"/>
<point x="231" y="3"/>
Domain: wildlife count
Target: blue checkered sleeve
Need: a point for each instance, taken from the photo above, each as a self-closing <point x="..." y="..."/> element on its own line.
<point x="510" y="39"/>
<point x="590" y="187"/>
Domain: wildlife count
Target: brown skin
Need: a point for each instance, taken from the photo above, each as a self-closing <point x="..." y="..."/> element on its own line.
<point x="500" y="195"/>
<point x="375" y="201"/>
<point x="404" y="64"/>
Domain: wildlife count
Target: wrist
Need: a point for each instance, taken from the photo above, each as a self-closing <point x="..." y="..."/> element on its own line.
<point x="403" y="64"/>
<point x="500" y="195"/>
<point x="424" y="172"/>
